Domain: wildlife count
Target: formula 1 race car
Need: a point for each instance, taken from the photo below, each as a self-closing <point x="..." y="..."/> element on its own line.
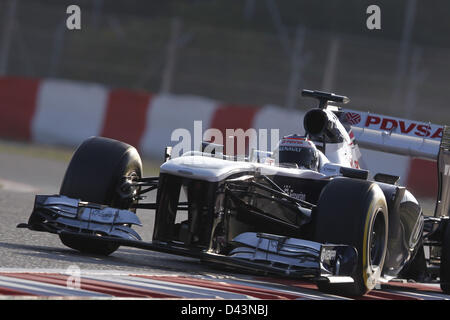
<point x="306" y="211"/>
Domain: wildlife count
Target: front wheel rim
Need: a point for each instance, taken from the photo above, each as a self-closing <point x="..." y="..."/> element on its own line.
<point x="377" y="240"/>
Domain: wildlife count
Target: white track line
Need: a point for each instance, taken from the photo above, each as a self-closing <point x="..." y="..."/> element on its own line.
<point x="44" y="289"/>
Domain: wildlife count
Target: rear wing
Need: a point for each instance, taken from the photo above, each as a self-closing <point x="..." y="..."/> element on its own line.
<point x="404" y="137"/>
<point x="394" y="135"/>
<point x="443" y="199"/>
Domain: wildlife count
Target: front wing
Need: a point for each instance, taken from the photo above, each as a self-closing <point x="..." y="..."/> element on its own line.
<point x="254" y="252"/>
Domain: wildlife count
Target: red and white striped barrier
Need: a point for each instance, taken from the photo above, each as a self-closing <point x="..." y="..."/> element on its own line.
<point x="63" y="112"/>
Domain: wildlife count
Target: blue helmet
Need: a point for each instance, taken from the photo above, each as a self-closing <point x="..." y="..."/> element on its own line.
<point x="298" y="150"/>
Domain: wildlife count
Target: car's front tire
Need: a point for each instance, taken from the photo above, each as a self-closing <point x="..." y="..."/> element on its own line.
<point x="95" y="174"/>
<point x="354" y="212"/>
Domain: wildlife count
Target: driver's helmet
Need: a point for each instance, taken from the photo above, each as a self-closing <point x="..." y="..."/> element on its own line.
<point x="298" y="150"/>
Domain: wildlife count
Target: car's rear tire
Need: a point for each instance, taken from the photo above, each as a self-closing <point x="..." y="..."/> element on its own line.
<point x="445" y="261"/>
<point x="95" y="174"/>
<point x="354" y="212"/>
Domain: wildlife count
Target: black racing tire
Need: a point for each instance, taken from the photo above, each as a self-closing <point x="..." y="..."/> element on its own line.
<point x="354" y="212"/>
<point x="94" y="174"/>
<point x="445" y="261"/>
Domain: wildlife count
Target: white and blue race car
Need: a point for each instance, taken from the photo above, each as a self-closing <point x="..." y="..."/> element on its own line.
<point x="307" y="211"/>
